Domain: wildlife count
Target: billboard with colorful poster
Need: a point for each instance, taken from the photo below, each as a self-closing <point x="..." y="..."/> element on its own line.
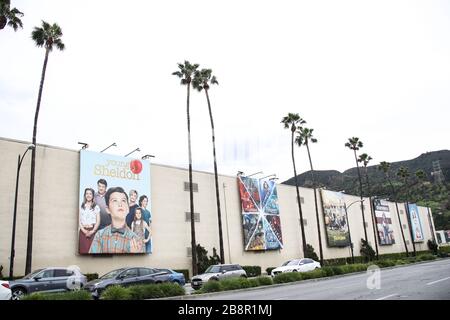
<point x="335" y="219"/>
<point x="114" y="215"/>
<point x="416" y="223"/>
<point x="260" y="214"/>
<point x="384" y="222"/>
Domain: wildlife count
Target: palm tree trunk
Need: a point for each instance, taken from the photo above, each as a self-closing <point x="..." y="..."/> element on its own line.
<point x="315" y="202"/>
<point x="372" y="213"/>
<point x="298" y="197"/>
<point x="216" y="178"/>
<point x="29" y="256"/>
<point x="191" y="189"/>
<point x="398" y="216"/>
<point x="361" y="197"/>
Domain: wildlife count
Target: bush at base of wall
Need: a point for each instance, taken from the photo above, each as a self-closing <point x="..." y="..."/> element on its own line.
<point x="72" y="295"/>
<point x="252" y="271"/>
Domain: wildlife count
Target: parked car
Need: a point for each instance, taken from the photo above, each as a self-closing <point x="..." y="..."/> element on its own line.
<point x="218" y="272"/>
<point x="296" y="265"/>
<point x="126" y="277"/>
<point x="5" y="290"/>
<point x="52" y="279"/>
<point x="175" y="277"/>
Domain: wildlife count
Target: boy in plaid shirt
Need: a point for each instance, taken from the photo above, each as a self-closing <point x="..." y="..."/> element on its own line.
<point x="117" y="237"/>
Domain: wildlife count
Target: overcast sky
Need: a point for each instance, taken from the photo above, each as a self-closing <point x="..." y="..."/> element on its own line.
<point x="378" y="70"/>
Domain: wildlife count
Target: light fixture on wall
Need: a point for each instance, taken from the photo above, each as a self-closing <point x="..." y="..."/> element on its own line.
<point x="111" y="145"/>
<point x="137" y="149"/>
<point x="84" y="145"/>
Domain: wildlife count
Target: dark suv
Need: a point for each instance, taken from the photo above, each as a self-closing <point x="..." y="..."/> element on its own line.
<point x="126" y="277"/>
<point x="49" y="279"/>
<point x="218" y="272"/>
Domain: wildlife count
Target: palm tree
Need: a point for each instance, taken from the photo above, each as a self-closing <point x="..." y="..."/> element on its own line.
<point x="403" y="174"/>
<point x="304" y="137"/>
<point x="202" y="81"/>
<point x="293" y="121"/>
<point x="47" y="36"/>
<point x="9" y="16"/>
<point x="385" y="167"/>
<point x="186" y="73"/>
<point x="365" y="159"/>
<point x="355" y="144"/>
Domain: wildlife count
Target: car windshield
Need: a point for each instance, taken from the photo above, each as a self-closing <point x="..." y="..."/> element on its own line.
<point x="293" y="262"/>
<point x="213" y="269"/>
<point x="32" y="274"/>
<point x="111" y="274"/>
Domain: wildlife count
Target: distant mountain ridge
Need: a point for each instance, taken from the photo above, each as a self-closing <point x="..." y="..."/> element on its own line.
<point x="335" y="180"/>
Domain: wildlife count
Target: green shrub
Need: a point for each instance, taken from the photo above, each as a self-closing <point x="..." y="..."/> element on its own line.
<point x="432" y="246"/>
<point x="252" y="271"/>
<point x="287" y="277"/>
<point x="385" y="263"/>
<point x="253" y="283"/>
<point x="400" y="262"/>
<point x="269" y="270"/>
<point x="233" y="284"/>
<point x="70" y="295"/>
<point x="358" y="267"/>
<point x="367" y="252"/>
<point x="318" y="273"/>
<point x="211" y="286"/>
<point x="444" y="249"/>
<point x="185" y="272"/>
<point x="116" y="293"/>
<point x="426" y="257"/>
<point x="337" y="270"/>
<point x="91" y="276"/>
<point x="170" y="289"/>
<point x="328" y="271"/>
<point x="310" y="253"/>
<point x="264" y="281"/>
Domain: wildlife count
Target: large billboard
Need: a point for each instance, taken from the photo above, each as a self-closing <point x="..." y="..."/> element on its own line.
<point x="260" y="214"/>
<point x="416" y="223"/>
<point x="384" y="222"/>
<point x="114" y="215"/>
<point x="335" y="219"/>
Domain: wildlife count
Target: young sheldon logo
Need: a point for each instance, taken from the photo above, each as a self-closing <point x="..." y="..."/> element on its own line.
<point x="119" y="169"/>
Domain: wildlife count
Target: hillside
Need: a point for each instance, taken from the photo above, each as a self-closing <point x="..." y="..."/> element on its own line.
<point x="430" y="192"/>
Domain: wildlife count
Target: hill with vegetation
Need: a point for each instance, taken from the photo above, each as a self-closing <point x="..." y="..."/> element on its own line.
<point x="433" y="190"/>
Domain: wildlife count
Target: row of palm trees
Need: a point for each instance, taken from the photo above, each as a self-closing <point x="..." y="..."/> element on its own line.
<point x="200" y="80"/>
<point x="47" y="36"/>
<point x="303" y="136"/>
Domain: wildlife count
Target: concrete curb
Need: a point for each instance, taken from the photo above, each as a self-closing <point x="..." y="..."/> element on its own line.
<point x="202" y="295"/>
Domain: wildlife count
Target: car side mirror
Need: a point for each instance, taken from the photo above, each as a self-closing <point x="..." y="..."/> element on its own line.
<point x="37" y="278"/>
<point x="121" y="277"/>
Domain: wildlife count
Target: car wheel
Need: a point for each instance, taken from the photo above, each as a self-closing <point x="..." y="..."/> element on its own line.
<point x="17" y="293"/>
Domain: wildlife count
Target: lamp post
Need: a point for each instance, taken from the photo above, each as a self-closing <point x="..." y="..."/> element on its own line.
<point x="13" y="238"/>
<point x="137" y="149"/>
<point x="348" y="225"/>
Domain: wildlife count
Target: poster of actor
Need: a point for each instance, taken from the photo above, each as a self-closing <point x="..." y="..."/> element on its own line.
<point x="416" y="223"/>
<point x="114" y="210"/>
<point x="384" y="222"/>
<point x="336" y="225"/>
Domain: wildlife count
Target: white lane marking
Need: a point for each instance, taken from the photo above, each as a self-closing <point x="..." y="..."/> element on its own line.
<point x="391" y="295"/>
<point x="430" y="283"/>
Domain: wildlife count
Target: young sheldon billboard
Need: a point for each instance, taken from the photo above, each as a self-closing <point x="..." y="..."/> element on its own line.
<point x="335" y="219"/>
<point x="260" y="214"/>
<point x="384" y="222"/>
<point x="416" y="223"/>
<point x="114" y="213"/>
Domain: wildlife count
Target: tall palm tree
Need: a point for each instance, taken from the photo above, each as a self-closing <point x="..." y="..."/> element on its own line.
<point x="47" y="36"/>
<point x="9" y="16"/>
<point x="186" y="73"/>
<point x="385" y="167"/>
<point x="403" y="174"/>
<point x="355" y="144"/>
<point x="304" y="138"/>
<point x="293" y="121"/>
<point x="202" y="81"/>
<point x="365" y="159"/>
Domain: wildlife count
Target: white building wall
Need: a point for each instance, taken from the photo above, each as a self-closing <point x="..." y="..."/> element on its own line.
<point x="55" y="241"/>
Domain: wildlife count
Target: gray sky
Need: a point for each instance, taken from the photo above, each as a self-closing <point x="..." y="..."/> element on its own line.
<point x="378" y="70"/>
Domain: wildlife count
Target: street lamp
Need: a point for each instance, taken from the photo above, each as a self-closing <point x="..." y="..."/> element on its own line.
<point x="112" y="145"/>
<point x="137" y="149"/>
<point x="348" y="225"/>
<point x="13" y="238"/>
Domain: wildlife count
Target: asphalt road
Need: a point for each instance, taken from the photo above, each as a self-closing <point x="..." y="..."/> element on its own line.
<point x="424" y="281"/>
